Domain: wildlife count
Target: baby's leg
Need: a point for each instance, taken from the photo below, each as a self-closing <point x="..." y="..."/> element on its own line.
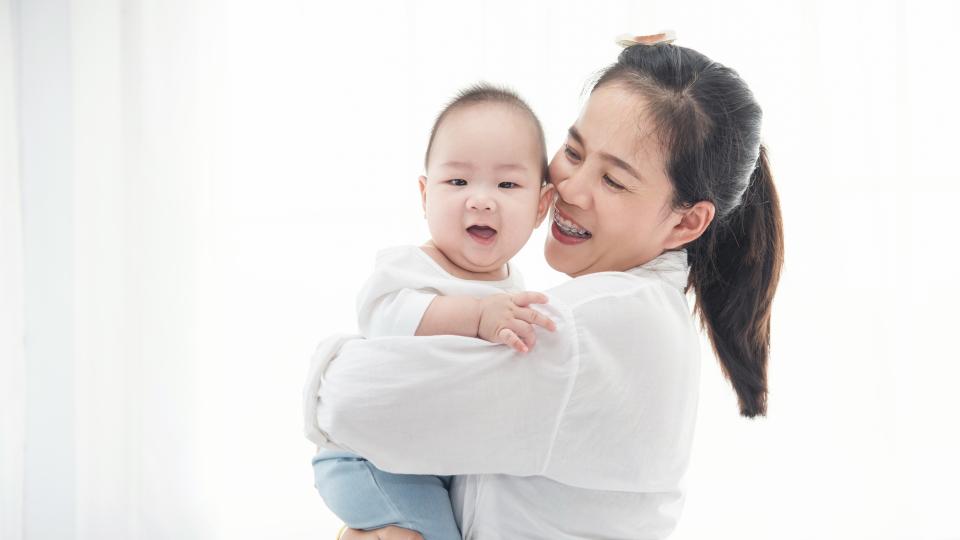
<point x="365" y="497"/>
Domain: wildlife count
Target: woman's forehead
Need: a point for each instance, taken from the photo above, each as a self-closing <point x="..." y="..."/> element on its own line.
<point x="615" y="116"/>
<point x="616" y="120"/>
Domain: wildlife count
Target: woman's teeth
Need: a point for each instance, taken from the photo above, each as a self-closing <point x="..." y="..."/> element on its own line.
<point x="568" y="227"/>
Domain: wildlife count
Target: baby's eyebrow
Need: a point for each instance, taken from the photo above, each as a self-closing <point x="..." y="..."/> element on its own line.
<point x="460" y="164"/>
<point x="500" y="167"/>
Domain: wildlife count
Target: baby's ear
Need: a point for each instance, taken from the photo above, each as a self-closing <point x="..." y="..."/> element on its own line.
<point x="423" y="192"/>
<point x="547" y="193"/>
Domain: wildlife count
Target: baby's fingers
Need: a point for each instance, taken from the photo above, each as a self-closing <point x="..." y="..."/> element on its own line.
<point x="509" y="337"/>
<point x="524" y="331"/>
<point x="524" y="299"/>
<point x="533" y="316"/>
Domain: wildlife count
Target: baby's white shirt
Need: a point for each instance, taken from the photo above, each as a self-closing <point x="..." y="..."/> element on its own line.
<point x="404" y="282"/>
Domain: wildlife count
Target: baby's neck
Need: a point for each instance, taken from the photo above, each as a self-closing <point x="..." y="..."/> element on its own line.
<point x="455" y="270"/>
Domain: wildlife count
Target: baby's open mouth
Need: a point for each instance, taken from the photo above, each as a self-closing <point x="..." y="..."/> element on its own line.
<point x="481" y="232"/>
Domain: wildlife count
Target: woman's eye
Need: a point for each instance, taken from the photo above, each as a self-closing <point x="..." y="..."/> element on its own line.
<point x="570" y="153"/>
<point x="508" y="185"/>
<point x="457" y="182"/>
<point x="610" y="182"/>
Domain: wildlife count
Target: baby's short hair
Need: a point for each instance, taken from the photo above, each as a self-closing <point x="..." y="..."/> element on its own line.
<point x="487" y="93"/>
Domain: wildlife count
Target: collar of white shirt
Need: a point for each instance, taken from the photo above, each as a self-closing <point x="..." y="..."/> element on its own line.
<point x="671" y="266"/>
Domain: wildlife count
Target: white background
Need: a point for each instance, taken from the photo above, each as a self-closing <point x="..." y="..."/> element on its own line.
<point x="193" y="193"/>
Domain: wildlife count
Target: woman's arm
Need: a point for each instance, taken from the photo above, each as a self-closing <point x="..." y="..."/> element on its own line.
<point x="449" y="404"/>
<point x="618" y="379"/>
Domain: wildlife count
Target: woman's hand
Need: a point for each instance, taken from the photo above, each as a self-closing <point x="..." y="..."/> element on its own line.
<point x="384" y="533"/>
<point x="507" y="319"/>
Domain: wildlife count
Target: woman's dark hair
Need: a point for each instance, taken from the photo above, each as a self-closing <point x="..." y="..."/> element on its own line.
<point x="488" y="93"/>
<point x="709" y="125"/>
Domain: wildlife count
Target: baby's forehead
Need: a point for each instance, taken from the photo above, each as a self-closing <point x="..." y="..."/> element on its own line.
<point x="466" y="112"/>
<point x="500" y="121"/>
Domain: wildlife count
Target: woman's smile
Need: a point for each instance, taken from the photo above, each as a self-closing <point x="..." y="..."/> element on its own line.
<point x="568" y="225"/>
<point x="566" y="231"/>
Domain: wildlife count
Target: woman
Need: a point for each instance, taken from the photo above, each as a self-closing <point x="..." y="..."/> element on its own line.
<point x="663" y="186"/>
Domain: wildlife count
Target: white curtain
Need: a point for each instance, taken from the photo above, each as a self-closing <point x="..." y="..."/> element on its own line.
<point x="151" y="403"/>
<point x="204" y="185"/>
<point x="111" y="181"/>
<point x="12" y="375"/>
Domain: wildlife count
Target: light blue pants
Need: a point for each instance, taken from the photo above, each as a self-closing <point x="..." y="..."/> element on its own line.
<point x="365" y="497"/>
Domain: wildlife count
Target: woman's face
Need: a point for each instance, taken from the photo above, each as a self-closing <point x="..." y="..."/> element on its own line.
<point x="613" y="211"/>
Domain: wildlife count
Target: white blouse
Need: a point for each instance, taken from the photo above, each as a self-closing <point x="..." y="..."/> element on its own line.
<point x="586" y="436"/>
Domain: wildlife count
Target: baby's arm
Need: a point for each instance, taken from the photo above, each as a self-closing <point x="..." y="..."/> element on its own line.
<point x="401" y="299"/>
<point x="498" y="318"/>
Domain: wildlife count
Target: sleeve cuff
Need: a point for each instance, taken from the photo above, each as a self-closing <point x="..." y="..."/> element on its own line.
<point x="408" y="308"/>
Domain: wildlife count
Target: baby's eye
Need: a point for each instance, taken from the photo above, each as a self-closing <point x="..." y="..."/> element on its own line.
<point x="570" y="153"/>
<point x="508" y="185"/>
<point x="457" y="182"/>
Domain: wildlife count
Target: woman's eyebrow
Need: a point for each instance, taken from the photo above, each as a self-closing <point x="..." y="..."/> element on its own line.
<point x="575" y="135"/>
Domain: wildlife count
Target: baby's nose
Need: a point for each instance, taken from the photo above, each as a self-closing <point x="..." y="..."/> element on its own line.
<point x="481" y="203"/>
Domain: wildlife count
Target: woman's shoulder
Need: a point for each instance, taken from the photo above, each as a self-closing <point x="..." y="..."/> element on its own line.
<point x="640" y="307"/>
<point x="665" y="276"/>
<point x="602" y="286"/>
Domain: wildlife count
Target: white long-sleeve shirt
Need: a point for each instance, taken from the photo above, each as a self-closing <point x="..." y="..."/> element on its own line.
<point x="586" y="436"/>
<point x="404" y="282"/>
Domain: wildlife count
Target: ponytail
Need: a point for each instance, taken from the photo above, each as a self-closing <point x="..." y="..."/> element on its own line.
<point x="709" y="122"/>
<point x="734" y="270"/>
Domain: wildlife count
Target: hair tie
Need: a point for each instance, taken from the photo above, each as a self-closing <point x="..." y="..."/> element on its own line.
<point x="667" y="36"/>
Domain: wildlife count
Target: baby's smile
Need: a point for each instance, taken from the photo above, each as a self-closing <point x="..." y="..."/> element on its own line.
<point x="482" y="233"/>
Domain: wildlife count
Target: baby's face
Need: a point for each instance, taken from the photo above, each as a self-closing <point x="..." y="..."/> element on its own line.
<point x="482" y="194"/>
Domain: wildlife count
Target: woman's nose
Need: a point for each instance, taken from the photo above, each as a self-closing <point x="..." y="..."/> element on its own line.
<point x="575" y="189"/>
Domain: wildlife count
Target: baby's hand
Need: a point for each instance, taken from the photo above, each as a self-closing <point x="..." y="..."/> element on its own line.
<point x="505" y="318"/>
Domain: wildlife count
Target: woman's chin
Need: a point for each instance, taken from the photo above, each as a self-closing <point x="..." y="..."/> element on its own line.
<point x="559" y="257"/>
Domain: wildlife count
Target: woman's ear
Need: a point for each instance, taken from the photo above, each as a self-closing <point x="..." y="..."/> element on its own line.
<point x="693" y="222"/>
<point x="423" y="193"/>
<point x="547" y="193"/>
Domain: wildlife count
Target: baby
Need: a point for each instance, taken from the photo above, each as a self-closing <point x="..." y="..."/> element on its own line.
<point x="484" y="192"/>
